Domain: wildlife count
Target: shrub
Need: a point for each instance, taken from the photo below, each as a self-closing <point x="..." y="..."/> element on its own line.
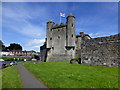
<point x="56" y="25"/>
<point x="36" y="57"/>
<point x="76" y="59"/>
<point x="61" y="24"/>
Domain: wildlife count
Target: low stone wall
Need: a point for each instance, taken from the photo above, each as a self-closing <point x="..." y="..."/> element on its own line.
<point x="57" y="57"/>
<point x="101" y="51"/>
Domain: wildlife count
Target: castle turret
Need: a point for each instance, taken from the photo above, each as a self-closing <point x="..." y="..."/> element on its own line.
<point x="79" y="40"/>
<point x="50" y="24"/>
<point x="70" y="35"/>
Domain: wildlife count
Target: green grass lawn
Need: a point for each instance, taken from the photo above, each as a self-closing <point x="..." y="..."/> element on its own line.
<point x="65" y="75"/>
<point x="0" y="79"/>
<point x="11" y="78"/>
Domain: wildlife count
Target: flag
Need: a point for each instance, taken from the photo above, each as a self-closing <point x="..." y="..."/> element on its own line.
<point x="62" y="14"/>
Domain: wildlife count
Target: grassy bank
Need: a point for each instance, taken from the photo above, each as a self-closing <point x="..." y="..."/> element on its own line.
<point x="65" y="75"/>
<point x="16" y="58"/>
<point x="11" y="78"/>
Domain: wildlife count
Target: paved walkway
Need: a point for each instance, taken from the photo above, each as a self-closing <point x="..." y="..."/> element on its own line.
<point x="29" y="81"/>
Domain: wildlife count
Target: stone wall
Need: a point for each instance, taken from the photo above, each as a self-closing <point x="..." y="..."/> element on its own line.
<point x="56" y="57"/>
<point x="78" y="47"/>
<point x="101" y="51"/>
<point x="43" y="52"/>
<point x="59" y="40"/>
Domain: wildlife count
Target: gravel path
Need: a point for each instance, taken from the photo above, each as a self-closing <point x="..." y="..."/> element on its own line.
<point x="29" y="81"/>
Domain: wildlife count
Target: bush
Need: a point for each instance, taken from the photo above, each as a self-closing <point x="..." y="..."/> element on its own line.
<point x="56" y="25"/>
<point x="61" y="24"/>
<point x="76" y="59"/>
<point x="36" y="57"/>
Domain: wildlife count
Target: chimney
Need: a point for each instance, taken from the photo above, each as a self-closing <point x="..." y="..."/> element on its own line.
<point x="81" y="33"/>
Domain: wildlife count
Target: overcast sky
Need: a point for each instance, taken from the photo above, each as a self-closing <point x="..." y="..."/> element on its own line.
<point x="25" y="22"/>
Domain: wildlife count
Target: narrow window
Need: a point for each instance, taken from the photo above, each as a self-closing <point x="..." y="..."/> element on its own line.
<point x="58" y="37"/>
<point x="72" y="35"/>
<point x="53" y="48"/>
<point x="50" y="38"/>
<point x="66" y="36"/>
<point x="72" y="25"/>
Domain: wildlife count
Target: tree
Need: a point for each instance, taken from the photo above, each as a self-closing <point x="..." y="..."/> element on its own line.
<point x="36" y="57"/>
<point x="14" y="46"/>
<point x="2" y="46"/>
<point x="1" y="43"/>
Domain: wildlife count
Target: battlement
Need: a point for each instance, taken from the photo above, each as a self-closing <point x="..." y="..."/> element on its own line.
<point x="62" y="44"/>
<point x="81" y="34"/>
<point x="101" y="51"/>
<point x="59" y="26"/>
<point x="111" y="38"/>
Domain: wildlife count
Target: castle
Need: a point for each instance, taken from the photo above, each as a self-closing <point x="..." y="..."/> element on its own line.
<point x="62" y="44"/>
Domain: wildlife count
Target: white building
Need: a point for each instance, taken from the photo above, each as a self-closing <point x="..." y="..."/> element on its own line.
<point x="4" y="53"/>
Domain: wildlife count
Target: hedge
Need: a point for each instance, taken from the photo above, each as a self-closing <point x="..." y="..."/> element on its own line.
<point x="15" y="58"/>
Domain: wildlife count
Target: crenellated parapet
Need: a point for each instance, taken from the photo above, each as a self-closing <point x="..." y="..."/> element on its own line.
<point x="62" y="44"/>
<point x="59" y="26"/>
<point x="102" y="51"/>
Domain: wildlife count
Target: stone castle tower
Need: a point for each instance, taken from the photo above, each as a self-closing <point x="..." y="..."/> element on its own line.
<point x="62" y="44"/>
<point x="60" y="41"/>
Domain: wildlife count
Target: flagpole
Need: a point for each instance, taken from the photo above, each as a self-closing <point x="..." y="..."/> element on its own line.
<point x="60" y="18"/>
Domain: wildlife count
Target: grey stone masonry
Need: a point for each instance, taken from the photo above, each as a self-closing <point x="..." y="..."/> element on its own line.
<point x="62" y="44"/>
<point x="60" y="41"/>
<point x="101" y="51"/>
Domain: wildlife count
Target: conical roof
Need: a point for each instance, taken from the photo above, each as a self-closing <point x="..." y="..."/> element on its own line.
<point x="71" y="15"/>
<point x="50" y="21"/>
